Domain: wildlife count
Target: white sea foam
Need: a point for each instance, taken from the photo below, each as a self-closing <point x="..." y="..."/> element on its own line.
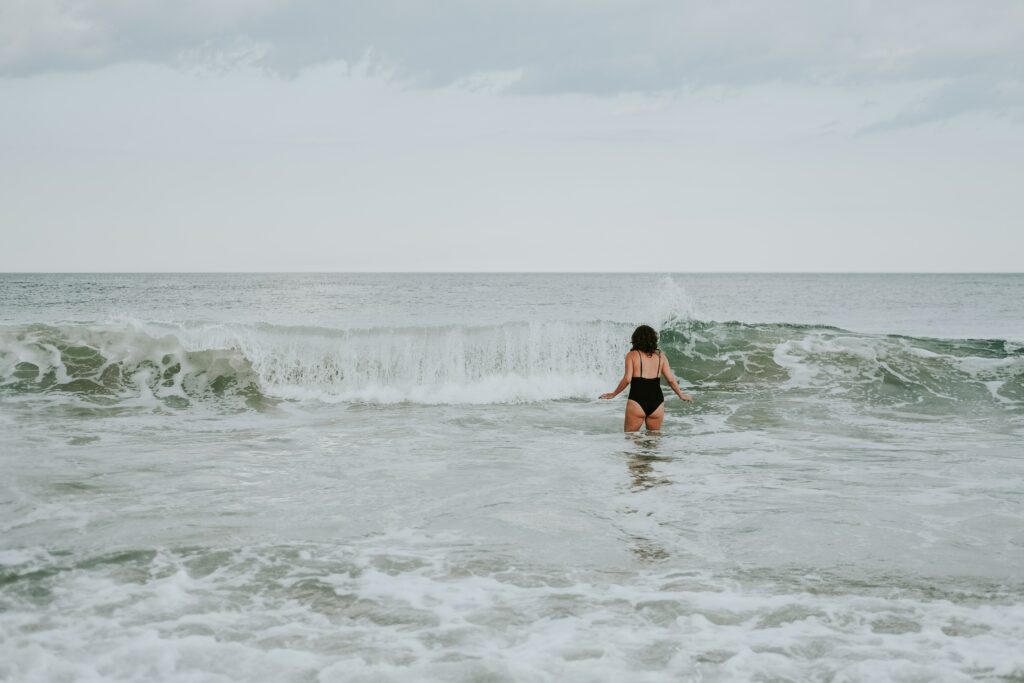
<point x="507" y="363"/>
<point x="395" y="609"/>
<point x="812" y="360"/>
<point x="496" y="364"/>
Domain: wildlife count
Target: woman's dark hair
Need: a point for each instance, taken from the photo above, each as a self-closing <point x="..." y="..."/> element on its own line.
<point x="645" y="339"/>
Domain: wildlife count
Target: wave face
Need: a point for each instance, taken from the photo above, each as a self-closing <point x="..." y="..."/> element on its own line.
<point x="251" y="366"/>
<point x="887" y="370"/>
<point x="509" y="363"/>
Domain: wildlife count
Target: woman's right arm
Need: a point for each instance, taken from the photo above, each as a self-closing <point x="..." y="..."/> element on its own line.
<point x="670" y="377"/>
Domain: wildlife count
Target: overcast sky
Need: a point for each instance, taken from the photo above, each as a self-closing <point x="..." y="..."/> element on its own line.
<point x="594" y="135"/>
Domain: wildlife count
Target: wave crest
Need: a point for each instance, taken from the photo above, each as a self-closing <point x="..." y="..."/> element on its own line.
<point x="514" y="362"/>
<point x="249" y="366"/>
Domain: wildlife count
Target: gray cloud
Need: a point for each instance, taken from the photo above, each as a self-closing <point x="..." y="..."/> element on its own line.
<point x="594" y="46"/>
<point x="959" y="96"/>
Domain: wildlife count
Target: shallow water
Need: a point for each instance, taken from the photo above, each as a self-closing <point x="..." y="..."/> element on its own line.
<point x="381" y="477"/>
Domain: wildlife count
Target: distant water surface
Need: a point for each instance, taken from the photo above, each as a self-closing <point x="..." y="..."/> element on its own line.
<point x="408" y="477"/>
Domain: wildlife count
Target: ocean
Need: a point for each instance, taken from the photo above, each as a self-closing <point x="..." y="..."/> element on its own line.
<point x="409" y="477"/>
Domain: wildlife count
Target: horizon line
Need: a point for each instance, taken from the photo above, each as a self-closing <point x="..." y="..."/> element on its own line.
<point x="511" y="272"/>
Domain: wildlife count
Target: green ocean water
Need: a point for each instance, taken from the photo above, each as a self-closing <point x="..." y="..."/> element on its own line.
<point x="409" y="477"/>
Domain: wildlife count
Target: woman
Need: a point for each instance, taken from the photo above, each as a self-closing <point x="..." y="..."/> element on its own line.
<point x="645" y="403"/>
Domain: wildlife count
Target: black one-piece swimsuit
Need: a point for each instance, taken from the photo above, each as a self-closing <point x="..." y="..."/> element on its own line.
<point x="647" y="390"/>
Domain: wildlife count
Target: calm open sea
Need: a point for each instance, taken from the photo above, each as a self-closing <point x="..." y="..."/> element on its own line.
<point x="409" y="478"/>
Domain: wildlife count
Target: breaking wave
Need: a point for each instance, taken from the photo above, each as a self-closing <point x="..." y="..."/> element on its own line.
<point x="251" y="366"/>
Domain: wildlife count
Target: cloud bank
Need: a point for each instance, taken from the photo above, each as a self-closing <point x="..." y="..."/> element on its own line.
<point x="600" y="47"/>
<point x="497" y="135"/>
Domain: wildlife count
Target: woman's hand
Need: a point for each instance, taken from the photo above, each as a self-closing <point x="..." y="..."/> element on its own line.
<point x="607" y="395"/>
<point x="685" y="397"/>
